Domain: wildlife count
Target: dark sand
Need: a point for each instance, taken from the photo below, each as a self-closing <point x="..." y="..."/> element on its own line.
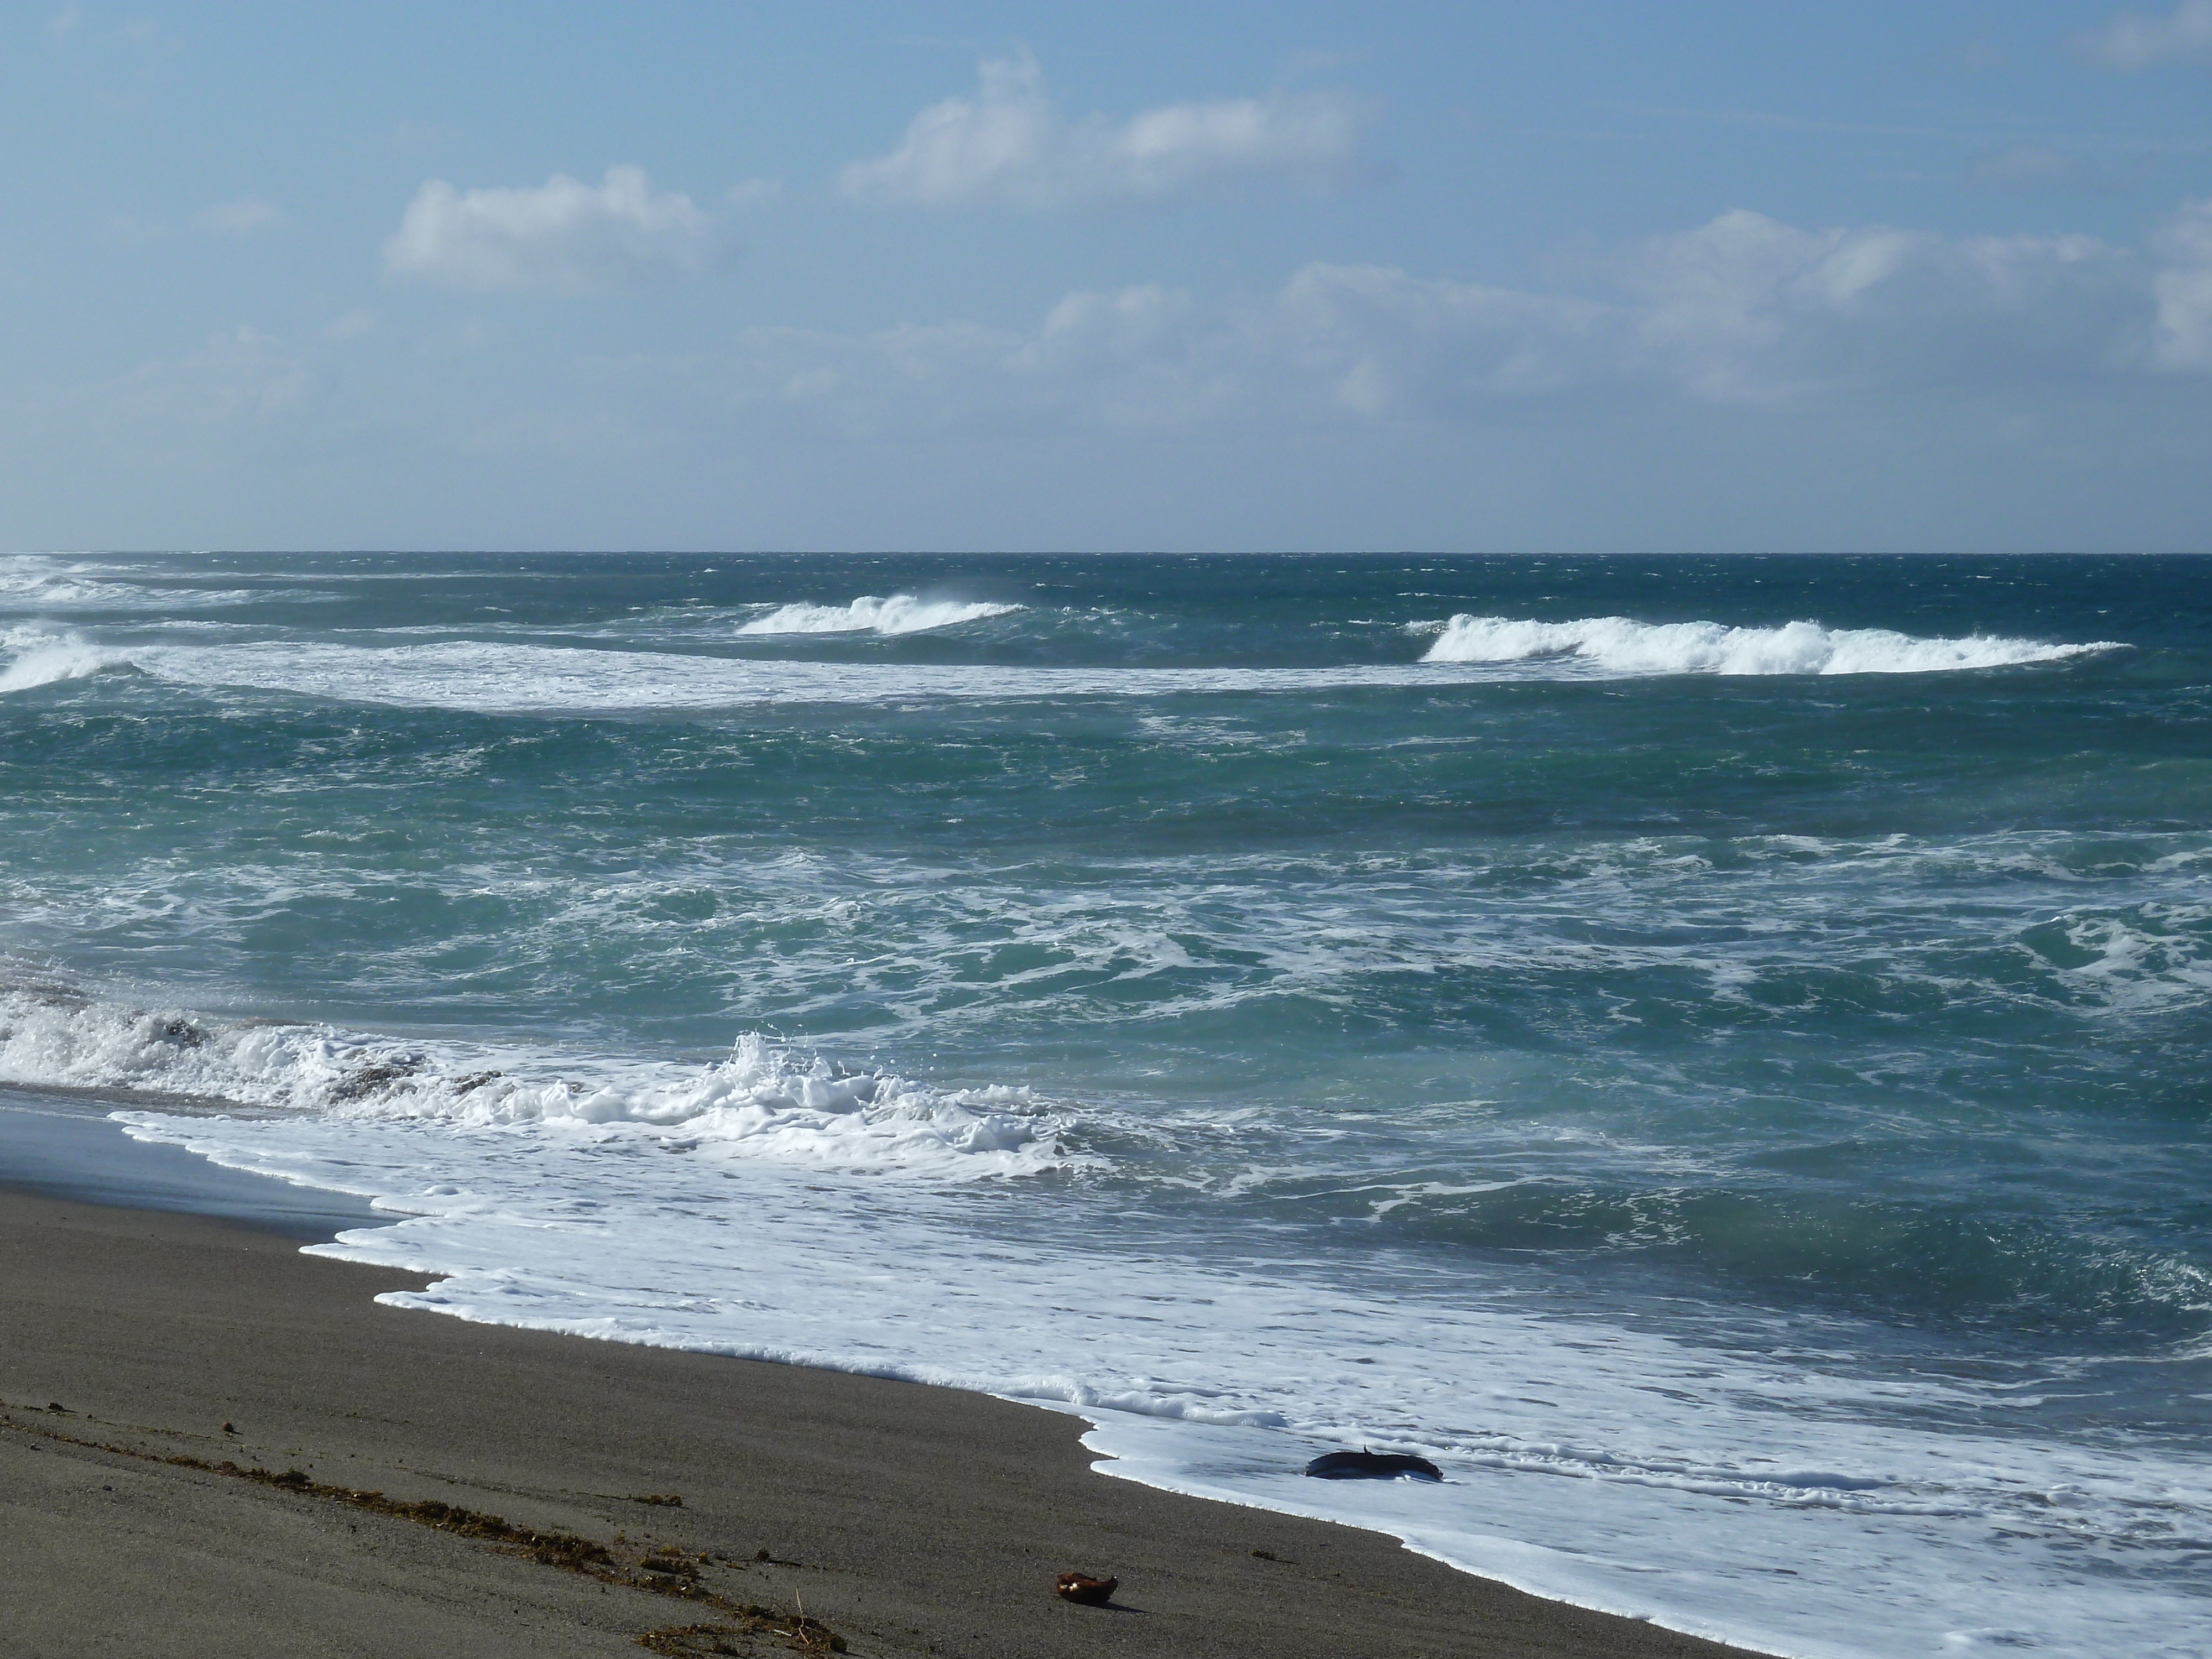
<point x="912" y="1520"/>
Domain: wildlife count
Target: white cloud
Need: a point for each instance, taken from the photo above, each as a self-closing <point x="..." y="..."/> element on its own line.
<point x="1009" y="144"/>
<point x="2133" y="41"/>
<point x="563" y="237"/>
<point x="1747" y="309"/>
<point x="240" y="218"/>
<point x="1335" y="344"/>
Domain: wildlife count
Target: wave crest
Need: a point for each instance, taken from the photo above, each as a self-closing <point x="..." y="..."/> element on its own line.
<point x="902" y="613"/>
<point x="1620" y="645"/>
<point x="43" y="582"/>
<point x="760" y="1102"/>
<point x="44" y="658"/>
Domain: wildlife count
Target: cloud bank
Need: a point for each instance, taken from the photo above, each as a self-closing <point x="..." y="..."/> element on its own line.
<point x="563" y="237"/>
<point x="1744" y="311"/>
<point x="2133" y="41"/>
<point x="1740" y="383"/>
<point x="1010" y="145"/>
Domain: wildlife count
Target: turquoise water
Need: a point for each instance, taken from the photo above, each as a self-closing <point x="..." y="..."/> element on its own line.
<point x="1728" y="1032"/>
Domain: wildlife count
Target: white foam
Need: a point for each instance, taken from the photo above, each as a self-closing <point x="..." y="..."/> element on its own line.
<point x="1619" y="645"/>
<point x="1741" y="1493"/>
<point x="490" y="677"/>
<point x="44" y="658"/>
<point x="496" y="677"/>
<point x="1765" y="1489"/>
<point x="902" y="613"/>
<point x="761" y="1099"/>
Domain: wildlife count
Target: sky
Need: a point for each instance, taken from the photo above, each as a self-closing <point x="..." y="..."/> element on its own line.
<point x="1475" y="277"/>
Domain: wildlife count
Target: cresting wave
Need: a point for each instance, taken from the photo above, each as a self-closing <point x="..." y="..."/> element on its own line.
<point x="494" y="678"/>
<point x="42" y="659"/>
<point x="501" y="679"/>
<point x="35" y="582"/>
<point x="762" y="1102"/>
<point x="1619" y="645"/>
<point x="902" y="613"/>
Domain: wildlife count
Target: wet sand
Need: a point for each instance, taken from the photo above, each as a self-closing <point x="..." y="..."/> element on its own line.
<point x="909" y="1520"/>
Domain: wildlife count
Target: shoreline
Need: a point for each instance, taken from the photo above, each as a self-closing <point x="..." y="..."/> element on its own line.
<point x="910" y="1519"/>
<point x="61" y="1143"/>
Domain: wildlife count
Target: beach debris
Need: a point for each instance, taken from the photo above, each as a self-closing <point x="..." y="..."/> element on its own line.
<point x="1083" y="1587"/>
<point x="669" y="1562"/>
<point x="666" y="1571"/>
<point x="1371" y="1466"/>
<point x="666" y="1499"/>
<point x="56" y="1406"/>
<point x="799" y="1631"/>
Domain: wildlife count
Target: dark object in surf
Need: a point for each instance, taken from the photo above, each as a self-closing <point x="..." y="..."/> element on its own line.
<point x="1371" y="1466"/>
<point x="354" y="1085"/>
<point x="1081" y="1587"/>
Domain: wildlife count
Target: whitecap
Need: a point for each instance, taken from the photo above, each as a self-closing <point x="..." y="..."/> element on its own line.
<point x="45" y="659"/>
<point x="1620" y="645"/>
<point x="760" y="1103"/>
<point x="902" y="613"/>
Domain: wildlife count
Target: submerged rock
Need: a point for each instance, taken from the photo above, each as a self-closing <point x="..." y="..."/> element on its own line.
<point x="1371" y="1466"/>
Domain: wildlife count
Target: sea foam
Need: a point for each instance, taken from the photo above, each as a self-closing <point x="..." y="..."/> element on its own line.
<point x="1635" y="1474"/>
<point x="1619" y="645"/>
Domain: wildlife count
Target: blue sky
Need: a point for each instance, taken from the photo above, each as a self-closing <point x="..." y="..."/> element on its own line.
<point x="1480" y="277"/>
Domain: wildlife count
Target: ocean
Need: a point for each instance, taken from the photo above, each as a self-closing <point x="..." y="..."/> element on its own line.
<point x="1710" y="1051"/>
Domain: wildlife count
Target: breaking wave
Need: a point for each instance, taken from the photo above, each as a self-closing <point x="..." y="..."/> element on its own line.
<point x="760" y="1102"/>
<point x="1620" y="646"/>
<point x="35" y="582"/>
<point x="43" y="659"/>
<point x="902" y="613"/>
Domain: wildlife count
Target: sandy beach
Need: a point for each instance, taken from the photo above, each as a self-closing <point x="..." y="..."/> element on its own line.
<point x="140" y="1353"/>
